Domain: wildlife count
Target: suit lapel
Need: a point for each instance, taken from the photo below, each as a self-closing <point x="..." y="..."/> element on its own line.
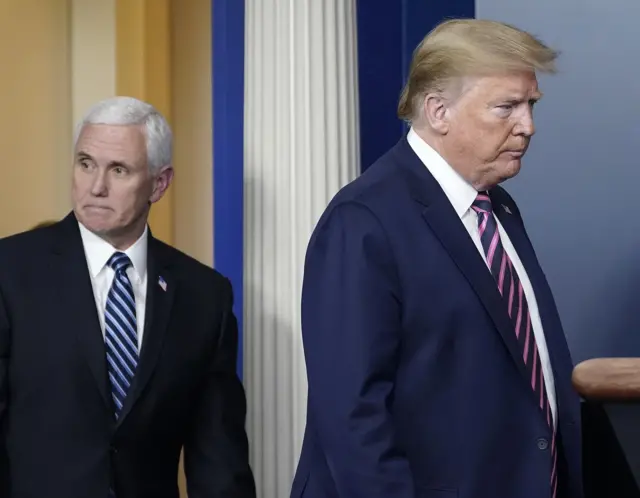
<point x="447" y="227"/>
<point x="77" y="299"/>
<point x="557" y="347"/>
<point x="157" y="314"/>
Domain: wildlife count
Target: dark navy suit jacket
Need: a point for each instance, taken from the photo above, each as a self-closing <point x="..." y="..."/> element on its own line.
<point x="58" y="435"/>
<point x="416" y="384"/>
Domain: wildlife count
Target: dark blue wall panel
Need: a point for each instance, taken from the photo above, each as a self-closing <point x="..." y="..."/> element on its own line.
<point x="228" y="143"/>
<point x="388" y="32"/>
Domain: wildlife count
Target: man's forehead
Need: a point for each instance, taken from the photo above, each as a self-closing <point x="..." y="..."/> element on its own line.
<point x="114" y="138"/>
<point x="517" y="85"/>
<point x="112" y="133"/>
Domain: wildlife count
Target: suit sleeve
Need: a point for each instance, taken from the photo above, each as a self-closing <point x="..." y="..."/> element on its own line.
<point x="5" y="351"/>
<point x="216" y="451"/>
<point x="351" y="324"/>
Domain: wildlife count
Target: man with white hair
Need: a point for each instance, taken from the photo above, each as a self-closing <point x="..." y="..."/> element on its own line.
<point x="436" y="360"/>
<point x="117" y="350"/>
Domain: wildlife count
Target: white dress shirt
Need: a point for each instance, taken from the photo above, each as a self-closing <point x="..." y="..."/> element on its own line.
<point x="98" y="251"/>
<point x="461" y="195"/>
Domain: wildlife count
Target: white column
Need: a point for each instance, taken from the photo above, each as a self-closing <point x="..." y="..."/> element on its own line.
<point x="301" y="146"/>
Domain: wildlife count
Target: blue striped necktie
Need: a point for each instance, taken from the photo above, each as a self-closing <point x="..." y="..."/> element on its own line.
<point x="121" y="332"/>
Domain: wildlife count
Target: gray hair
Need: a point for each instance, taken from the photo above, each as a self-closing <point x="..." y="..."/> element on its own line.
<point x="131" y="111"/>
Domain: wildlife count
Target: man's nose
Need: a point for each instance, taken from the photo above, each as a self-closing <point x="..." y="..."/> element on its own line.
<point x="99" y="185"/>
<point x="526" y="126"/>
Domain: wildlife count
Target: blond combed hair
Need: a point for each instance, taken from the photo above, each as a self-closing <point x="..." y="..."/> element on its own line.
<point x="459" y="48"/>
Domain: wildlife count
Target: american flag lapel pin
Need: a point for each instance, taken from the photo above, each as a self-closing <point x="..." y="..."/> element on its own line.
<point x="506" y="208"/>
<point x="162" y="283"/>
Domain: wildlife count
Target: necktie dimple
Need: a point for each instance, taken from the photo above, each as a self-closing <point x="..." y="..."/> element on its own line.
<point x="510" y="288"/>
<point x="121" y="332"/>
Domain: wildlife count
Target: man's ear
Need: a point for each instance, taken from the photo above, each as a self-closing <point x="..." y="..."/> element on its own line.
<point x="161" y="183"/>
<point x="437" y="113"/>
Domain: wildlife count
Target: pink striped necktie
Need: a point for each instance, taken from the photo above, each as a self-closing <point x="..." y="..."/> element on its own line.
<point x="512" y="292"/>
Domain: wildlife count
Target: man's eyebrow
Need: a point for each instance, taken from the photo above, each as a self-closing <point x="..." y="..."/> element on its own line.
<point x="119" y="164"/>
<point x="112" y="164"/>
<point x="513" y="100"/>
<point x="83" y="155"/>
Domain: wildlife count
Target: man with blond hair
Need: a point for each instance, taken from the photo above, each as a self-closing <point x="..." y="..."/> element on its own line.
<point x="437" y="363"/>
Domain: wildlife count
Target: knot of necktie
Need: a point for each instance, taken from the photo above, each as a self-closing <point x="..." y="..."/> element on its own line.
<point x="482" y="204"/>
<point x="119" y="261"/>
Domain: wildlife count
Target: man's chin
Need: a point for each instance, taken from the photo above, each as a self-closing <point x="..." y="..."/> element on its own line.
<point x="95" y="224"/>
<point x="99" y="230"/>
<point x="511" y="169"/>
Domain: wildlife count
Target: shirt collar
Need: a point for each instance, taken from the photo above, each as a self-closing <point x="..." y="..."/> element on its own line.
<point x="459" y="192"/>
<point x="98" y="251"/>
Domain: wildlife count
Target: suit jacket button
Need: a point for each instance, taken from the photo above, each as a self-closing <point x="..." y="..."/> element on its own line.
<point x="113" y="450"/>
<point x="543" y="444"/>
